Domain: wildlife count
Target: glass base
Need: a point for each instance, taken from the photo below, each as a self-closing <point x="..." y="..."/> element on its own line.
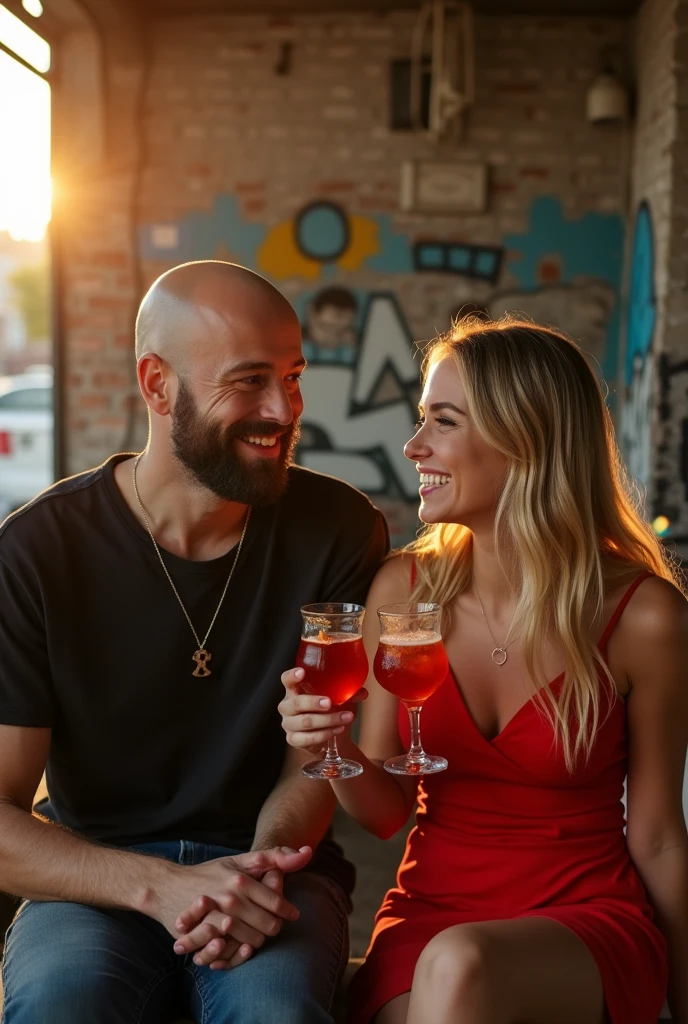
<point x="405" y="766"/>
<point x="342" y="769"/>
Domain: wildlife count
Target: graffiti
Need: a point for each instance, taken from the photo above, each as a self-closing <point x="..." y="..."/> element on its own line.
<point x="671" y="481"/>
<point x="221" y="233"/>
<point x="585" y="252"/>
<point x="329" y="331"/>
<point x="321" y="232"/>
<point x="481" y="262"/>
<point x="582" y="309"/>
<point x="642" y="304"/>
<point x="361" y="387"/>
<point x="636" y="414"/>
<point x="358" y="417"/>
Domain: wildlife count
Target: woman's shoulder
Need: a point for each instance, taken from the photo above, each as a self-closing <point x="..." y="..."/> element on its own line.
<point x="656" y="608"/>
<point x="656" y="603"/>
<point x="393" y="580"/>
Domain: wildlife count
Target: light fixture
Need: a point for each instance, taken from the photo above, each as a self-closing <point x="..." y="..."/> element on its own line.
<point x="607" y="98"/>
<point x="33" y="7"/>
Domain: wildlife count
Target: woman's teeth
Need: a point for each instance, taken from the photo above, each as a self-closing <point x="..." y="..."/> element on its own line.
<point x="433" y="480"/>
<point x="266" y="442"/>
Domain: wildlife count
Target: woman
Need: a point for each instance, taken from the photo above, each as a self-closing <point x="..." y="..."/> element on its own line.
<point x="519" y="899"/>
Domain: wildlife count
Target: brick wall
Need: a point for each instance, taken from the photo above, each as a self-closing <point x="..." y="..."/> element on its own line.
<point x="233" y="151"/>
<point x="654" y="367"/>
<point x="671" y="476"/>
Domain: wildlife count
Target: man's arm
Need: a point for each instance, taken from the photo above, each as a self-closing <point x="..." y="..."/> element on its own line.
<point x="40" y="860"/>
<point x="297" y="812"/>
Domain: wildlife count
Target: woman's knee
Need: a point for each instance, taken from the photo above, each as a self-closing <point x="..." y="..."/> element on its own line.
<point x="457" y="963"/>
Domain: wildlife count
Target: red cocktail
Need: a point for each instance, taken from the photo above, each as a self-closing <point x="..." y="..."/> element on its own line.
<point x="335" y="664"/>
<point x="411" y="668"/>
<point x="411" y="663"/>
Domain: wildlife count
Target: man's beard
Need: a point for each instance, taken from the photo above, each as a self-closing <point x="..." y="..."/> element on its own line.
<point x="209" y="452"/>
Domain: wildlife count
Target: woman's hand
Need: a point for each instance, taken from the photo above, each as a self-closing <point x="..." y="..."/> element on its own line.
<point x="309" y="721"/>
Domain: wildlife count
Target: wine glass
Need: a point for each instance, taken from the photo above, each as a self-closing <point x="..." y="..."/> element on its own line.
<point x="411" y="663"/>
<point x="335" y="663"/>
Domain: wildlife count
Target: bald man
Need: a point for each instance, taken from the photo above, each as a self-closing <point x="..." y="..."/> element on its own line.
<point x="147" y="610"/>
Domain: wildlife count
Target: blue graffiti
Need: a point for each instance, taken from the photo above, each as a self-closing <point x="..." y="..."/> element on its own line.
<point x="396" y="252"/>
<point x="642" y="305"/>
<point x="481" y="262"/>
<point x="590" y="246"/>
<point x="322" y="231"/>
<point x="201" y="234"/>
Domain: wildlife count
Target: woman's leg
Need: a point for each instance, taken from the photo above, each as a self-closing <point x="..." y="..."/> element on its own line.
<point x="523" y="971"/>
<point x="395" y="1011"/>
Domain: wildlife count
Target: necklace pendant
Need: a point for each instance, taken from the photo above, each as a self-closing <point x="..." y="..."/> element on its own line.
<point x="499" y="656"/>
<point x="201" y="657"/>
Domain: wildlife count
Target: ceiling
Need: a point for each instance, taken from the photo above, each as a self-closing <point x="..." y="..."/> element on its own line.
<point x="541" y="7"/>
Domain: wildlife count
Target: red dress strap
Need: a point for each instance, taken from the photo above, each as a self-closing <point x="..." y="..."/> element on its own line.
<point x="619" y="609"/>
<point x="414" y="573"/>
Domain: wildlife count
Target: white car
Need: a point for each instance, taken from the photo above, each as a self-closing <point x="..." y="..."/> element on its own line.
<point x="26" y="437"/>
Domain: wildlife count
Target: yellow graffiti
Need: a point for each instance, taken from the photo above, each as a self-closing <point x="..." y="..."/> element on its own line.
<point x="280" y="257"/>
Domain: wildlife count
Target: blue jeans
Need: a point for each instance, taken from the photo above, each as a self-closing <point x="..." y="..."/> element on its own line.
<point x="67" y="963"/>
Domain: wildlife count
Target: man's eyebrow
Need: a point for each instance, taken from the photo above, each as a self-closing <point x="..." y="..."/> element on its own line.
<point x="438" y="406"/>
<point x="250" y="365"/>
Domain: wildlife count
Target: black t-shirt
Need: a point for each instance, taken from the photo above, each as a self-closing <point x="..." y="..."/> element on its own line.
<point x="94" y="645"/>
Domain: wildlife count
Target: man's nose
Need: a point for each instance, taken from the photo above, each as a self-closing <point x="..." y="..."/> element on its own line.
<point x="277" y="406"/>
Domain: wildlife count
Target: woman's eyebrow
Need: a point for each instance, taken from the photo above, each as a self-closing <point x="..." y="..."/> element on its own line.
<point x="438" y="406"/>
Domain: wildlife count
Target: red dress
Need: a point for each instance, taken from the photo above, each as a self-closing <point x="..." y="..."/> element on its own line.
<point x="506" y="832"/>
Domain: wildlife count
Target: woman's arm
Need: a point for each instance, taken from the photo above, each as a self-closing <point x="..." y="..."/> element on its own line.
<point x="653" y="635"/>
<point x="378" y="801"/>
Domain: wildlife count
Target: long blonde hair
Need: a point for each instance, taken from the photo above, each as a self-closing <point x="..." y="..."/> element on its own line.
<point x="566" y="528"/>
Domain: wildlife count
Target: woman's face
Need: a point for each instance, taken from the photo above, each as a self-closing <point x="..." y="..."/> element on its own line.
<point x="461" y="475"/>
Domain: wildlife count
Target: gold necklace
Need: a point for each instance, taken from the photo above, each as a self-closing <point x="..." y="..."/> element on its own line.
<point x="499" y="654"/>
<point x="201" y="656"/>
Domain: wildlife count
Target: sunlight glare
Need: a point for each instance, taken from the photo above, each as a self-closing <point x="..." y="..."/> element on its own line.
<point x="25" y="188"/>
<point x="24" y="41"/>
<point x="33" y="7"/>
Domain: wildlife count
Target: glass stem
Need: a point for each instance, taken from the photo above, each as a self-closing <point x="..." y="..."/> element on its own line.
<point x="332" y="758"/>
<point x="416" y="754"/>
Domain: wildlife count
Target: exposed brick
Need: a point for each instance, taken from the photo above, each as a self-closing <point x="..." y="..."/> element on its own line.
<point x="254" y="206"/>
<point x="111" y="259"/>
<point x="249" y="186"/>
<point x="325" y="187"/>
<point x="540" y="173"/>
<point x="110" y="380"/>
<point x="199" y="170"/>
<point x="92" y="401"/>
<point x="524" y="88"/>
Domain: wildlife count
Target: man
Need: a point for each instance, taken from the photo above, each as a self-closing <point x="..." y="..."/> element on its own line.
<point x="147" y="609"/>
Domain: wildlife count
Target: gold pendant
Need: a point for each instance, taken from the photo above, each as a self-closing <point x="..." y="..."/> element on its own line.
<point x="201" y="657"/>
<point x="499" y="656"/>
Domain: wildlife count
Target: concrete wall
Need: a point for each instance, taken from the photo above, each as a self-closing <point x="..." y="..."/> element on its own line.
<point x="297" y="175"/>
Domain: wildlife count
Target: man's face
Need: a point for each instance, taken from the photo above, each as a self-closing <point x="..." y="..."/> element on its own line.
<point x="236" y="425"/>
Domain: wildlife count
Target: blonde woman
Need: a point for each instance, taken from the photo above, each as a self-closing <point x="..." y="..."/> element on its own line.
<point x="520" y="899"/>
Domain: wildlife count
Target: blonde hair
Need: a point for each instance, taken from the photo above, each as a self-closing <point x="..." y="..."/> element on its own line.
<point x="566" y="528"/>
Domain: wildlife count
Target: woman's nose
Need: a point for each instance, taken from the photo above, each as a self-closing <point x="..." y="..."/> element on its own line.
<point x="416" y="448"/>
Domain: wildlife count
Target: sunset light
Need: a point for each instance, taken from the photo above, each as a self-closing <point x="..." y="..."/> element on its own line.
<point x="25" y="186"/>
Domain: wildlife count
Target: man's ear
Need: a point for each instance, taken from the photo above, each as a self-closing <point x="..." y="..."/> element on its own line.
<point x="157" y="382"/>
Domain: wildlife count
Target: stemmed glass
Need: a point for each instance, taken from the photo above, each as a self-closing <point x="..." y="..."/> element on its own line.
<point x="335" y="663"/>
<point x="411" y="663"/>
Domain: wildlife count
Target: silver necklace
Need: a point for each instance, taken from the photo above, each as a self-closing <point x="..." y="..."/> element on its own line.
<point x="201" y="656"/>
<point x="499" y="654"/>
